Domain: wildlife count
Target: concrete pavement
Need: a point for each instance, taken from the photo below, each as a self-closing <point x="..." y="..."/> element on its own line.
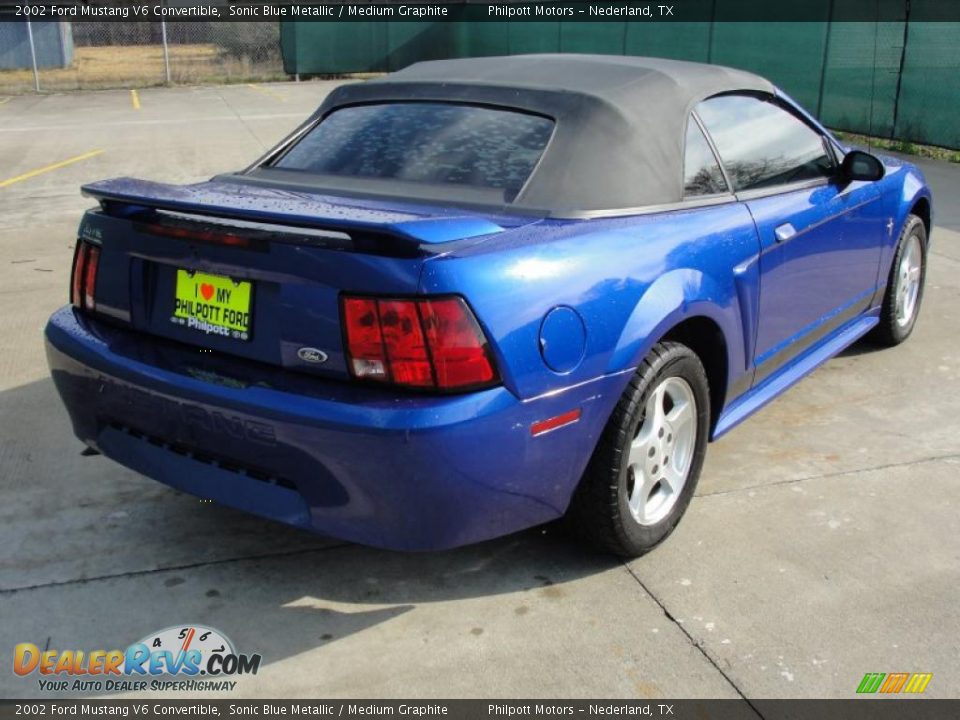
<point x="822" y="543"/>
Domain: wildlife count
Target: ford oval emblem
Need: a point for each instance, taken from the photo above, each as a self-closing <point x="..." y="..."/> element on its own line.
<point x="312" y="355"/>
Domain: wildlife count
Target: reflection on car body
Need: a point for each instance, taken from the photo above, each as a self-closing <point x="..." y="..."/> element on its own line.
<point x="484" y="294"/>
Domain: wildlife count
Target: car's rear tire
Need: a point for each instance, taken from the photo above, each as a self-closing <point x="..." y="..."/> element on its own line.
<point x="645" y="468"/>
<point x="901" y="300"/>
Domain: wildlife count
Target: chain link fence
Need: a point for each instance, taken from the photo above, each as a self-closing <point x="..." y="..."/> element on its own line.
<point x="53" y="56"/>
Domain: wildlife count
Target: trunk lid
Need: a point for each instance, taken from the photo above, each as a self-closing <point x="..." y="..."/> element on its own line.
<point x="187" y="262"/>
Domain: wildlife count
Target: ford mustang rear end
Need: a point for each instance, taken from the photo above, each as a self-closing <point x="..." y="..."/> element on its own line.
<point x="275" y="350"/>
<point x="479" y="295"/>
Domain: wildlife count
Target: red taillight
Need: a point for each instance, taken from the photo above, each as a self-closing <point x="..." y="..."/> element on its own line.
<point x="368" y="357"/>
<point x="425" y="343"/>
<point x="403" y="340"/>
<point x="83" y="281"/>
<point x="456" y="341"/>
<point x="76" y="278"/>
<point x="90" y="278"/>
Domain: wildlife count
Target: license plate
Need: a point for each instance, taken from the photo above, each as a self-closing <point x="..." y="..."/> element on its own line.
<point x="213" y="304"/>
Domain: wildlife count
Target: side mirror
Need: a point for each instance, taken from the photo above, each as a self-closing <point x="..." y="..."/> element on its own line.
<point x="858" y="165"/>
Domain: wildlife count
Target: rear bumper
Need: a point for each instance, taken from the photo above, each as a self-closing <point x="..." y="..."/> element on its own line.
<point x="400" y="472"/>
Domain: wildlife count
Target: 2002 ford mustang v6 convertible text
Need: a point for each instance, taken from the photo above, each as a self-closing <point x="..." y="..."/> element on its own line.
<point x="481" y="294"/>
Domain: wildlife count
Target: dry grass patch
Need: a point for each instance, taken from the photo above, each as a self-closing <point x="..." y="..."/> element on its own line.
<point x="115" y="66"/>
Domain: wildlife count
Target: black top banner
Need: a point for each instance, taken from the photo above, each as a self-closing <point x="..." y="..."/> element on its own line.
<point x="886" y="709"/>
<point x="458" y="10"/>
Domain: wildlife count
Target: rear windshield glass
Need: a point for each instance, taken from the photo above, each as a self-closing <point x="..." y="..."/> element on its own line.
<point x="425" y="142"/>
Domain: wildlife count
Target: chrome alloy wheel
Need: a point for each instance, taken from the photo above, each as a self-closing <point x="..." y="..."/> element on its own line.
<point x="662" y="451"/>
<point x="908" y="281"/>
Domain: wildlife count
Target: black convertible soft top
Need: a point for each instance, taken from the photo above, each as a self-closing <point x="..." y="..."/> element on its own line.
<point x="620" y="121"/>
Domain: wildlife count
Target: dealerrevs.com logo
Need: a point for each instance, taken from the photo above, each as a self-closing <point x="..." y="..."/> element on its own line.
<point x="182" y="657"/>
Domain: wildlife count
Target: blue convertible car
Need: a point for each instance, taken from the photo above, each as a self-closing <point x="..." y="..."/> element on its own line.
<point x="478" y="295"/>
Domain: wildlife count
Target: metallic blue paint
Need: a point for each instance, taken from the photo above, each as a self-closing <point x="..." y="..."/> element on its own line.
<point x="409" y="472"/>
<point x="254" y="426"/>
<point x="832" y="258"/>
<point x="563" y="339"/>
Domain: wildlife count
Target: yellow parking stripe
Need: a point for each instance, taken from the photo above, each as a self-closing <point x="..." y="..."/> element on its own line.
<point x="48" y="168"/>
<point x="135" y="99"/>
<point x="267" y="91"/>
<point x="5" y="100"/>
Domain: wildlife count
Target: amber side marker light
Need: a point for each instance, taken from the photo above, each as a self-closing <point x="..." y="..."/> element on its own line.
<point x="558" y="421"/>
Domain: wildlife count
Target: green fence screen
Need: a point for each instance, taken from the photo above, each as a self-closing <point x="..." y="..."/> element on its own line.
<point x="891" y="78"/>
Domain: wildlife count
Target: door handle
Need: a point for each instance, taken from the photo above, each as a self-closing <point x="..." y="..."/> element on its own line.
<point x="784" y="232"/>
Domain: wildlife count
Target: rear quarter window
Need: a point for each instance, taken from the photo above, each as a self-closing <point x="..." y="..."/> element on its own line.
<point x="436" y="143"/>
<point x="701" y="171"/>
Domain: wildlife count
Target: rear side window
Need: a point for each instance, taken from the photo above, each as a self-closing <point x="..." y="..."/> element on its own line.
<point x="701" y="172"/>
<point x="435" y="143"/>
<point x="761" y="144"/>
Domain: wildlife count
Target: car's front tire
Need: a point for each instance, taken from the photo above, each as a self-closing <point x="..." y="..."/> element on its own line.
<point x="901" y="301"/>
<point x="645" y="468"/>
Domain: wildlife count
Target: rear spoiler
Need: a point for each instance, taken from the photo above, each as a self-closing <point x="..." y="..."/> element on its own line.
<point x="127" y="197"/>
